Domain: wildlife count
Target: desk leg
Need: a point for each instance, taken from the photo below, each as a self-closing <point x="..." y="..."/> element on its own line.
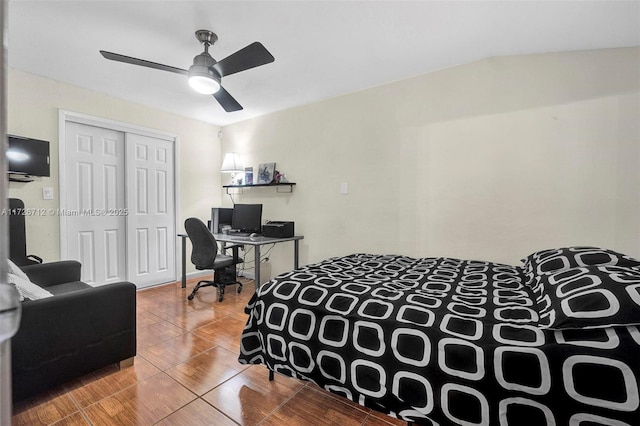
<point x="296" y="250"/>
<point x="184" y="262"/>
<point x="256" y="260"/>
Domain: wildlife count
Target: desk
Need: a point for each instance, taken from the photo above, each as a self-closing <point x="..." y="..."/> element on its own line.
<point x="256" y="242"/>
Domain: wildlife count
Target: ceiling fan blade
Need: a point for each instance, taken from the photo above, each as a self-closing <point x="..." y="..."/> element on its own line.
<point x="227" y="101"/>
<point x="249" y="57"/>
<point x="135" y="61"/>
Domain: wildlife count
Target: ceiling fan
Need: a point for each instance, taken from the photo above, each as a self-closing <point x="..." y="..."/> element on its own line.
<point x="205" y="74"/>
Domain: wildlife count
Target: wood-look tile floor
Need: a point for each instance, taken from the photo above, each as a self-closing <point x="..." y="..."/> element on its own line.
<point x="187" y="372"/>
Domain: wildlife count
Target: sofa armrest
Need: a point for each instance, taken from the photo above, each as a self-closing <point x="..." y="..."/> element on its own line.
<point x="53" y="273"/>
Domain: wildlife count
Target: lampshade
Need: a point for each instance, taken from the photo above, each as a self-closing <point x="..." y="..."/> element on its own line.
<point x="232" y="163"/>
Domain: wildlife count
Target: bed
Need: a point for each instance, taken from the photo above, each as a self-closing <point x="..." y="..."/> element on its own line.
<point x="450" y="341"/>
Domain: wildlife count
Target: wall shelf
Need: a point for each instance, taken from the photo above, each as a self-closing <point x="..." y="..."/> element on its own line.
<point x="263" y="185"/>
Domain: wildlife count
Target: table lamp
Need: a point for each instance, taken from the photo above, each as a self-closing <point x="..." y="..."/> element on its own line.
<point x="232" y="164"/>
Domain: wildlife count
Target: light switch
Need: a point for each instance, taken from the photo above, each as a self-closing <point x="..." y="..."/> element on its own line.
<point x="344" y="188"/>
<point x="47" y="193"/>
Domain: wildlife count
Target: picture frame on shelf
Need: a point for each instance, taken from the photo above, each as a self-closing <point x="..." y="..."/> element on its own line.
<point x="265" y="173"/>
<point x="248" y="175"/>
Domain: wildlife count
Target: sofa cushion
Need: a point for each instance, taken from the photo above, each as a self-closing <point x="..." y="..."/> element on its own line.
<point x="68" y="287"/>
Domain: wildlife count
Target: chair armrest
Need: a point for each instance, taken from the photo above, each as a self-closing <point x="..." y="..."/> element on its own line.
<point x="34" y="258"/>
<point x="234" y="248"/>
<point x="53" y="273"/>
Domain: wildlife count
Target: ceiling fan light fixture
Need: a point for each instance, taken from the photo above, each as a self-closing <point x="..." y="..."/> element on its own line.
<point x="204" y="84"/>
<point x="202" y="78"/>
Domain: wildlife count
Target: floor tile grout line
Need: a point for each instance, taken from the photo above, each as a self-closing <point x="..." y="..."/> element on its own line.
<point x="216" y="408"/>
<point x="181" y="407"/>
<point x="78" y="406"/>
<point x="181" y="362"/>
<point x="341" y="399"/>
<point x="119" y="391"/>
<point x="163" y="341"/>
<point x="364" y="421"/>
<point x="191" y="402"/>
<point x="86" y="417"/>
<point x="281" y="404"/>
<point x="226" y="380"/>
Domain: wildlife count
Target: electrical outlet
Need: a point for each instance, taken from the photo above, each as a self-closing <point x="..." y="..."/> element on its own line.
<point x="47" y="193"/>
<point x="344" y="188"/>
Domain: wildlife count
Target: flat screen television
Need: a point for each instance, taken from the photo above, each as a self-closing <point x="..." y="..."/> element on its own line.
<point x="26" y="156"/>
<point x="247" y="218"/>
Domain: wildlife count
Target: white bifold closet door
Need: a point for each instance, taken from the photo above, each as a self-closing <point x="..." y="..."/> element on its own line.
<point x="118" y="207"/>
<point x="151" y="232"/>
<point x="95" y="185"/>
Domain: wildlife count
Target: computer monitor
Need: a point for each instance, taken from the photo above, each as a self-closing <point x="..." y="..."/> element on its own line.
<point x="219" y="218"/>
<point x="247" y="218"/>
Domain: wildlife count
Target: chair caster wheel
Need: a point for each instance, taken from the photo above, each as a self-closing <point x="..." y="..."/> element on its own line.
<point x="239" y="290"/>
<point x="220" y="299"/>
<point x="191" y="296"/>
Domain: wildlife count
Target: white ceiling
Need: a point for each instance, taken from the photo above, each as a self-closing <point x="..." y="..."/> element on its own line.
<point x="323" y="49"/>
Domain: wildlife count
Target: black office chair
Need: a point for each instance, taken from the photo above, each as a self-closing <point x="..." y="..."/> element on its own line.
<point x="204" y="255"/>
<point x="17" y="235"/>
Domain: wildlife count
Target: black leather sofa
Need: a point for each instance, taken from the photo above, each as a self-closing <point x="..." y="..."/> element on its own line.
<point x="78" y="330"/>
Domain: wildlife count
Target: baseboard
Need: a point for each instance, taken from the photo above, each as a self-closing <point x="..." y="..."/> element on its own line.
<point x="247" y="274"/>
<point x="199" y="274"/>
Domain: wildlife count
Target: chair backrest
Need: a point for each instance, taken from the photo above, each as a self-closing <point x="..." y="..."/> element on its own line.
<point x="204" y="245"/>
<point x="17" y="233"/>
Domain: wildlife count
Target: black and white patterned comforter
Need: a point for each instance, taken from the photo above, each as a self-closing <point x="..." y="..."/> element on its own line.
<point x="448" y="341"/>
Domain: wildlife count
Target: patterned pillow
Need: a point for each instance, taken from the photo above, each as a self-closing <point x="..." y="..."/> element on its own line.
<point x="554" y="260"/>
<point x="588" y="297"/>
<point x="560" y="259"/>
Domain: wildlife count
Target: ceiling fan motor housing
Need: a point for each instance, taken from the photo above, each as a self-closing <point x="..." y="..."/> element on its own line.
<point x="202" y="65"/>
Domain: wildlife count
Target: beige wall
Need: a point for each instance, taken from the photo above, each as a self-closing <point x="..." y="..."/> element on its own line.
<point x="490" y="160"/>
<point x="33" y="105"/>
